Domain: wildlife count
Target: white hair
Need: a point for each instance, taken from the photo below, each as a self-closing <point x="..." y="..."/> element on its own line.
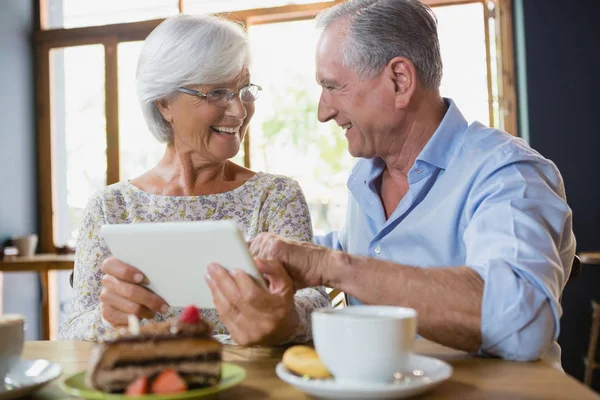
<point x="187" y="50"/>
<point x="379" y="30"/>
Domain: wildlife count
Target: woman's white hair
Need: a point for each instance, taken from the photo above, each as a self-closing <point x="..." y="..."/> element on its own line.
<point x="187" y="50"/>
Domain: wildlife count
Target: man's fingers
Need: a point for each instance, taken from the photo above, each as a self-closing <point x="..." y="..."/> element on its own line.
<point x="256" y="244"/>
<point x="124" y="306"/>
<point x="123" y="271"/>
<point x="264" y="246"/>
<point x="135" y="293"/>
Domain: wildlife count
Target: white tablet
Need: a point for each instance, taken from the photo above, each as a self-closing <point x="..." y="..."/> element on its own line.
<point x="174" y="256"/>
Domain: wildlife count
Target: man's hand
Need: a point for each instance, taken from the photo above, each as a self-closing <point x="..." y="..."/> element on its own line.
<point x="252" y="314"/>
<point x="305" y="262"/>
<point x="122" y="294"/>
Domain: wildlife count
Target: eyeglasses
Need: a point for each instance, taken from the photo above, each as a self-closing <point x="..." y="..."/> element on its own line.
<point x="224" y="97"/>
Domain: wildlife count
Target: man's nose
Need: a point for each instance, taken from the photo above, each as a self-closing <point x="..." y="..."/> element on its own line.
<point x="325" y="111"/>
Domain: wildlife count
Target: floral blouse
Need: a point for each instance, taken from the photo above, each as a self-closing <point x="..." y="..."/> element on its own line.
<point x="265" y="203"/>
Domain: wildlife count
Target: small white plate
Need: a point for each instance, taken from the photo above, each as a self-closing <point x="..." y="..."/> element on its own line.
<point x="28" y="376"/>
<point x="424" y="373"/>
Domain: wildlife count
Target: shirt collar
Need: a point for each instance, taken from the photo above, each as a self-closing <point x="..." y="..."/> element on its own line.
<point x="437" y="152"/>
<point x="439" y="149"/>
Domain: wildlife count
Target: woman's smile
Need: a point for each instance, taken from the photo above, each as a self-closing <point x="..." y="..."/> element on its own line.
<point x="224" y="132"/>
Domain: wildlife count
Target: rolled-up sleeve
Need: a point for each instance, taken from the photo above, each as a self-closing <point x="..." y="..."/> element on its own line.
<point x="329" y="240"/>
<point x="519" y="239"/>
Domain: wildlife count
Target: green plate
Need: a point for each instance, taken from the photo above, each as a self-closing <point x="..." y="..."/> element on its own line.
<point x="231" y="375"/>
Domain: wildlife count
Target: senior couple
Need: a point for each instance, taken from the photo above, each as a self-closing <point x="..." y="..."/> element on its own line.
<point x="464" y="223"/>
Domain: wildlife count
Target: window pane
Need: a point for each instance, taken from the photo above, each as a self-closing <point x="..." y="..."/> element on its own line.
<point x="461" y="30"/>
<point x="79" y="134"/>
<point x="78" y="13"/>
<point x="211" y="6"/>
<point x="139" y="150"/>
<point x="286" y="137"/>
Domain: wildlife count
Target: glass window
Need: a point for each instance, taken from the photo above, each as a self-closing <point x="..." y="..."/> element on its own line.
<point x="214" y="6"/>
<point x="461" y="30"/>
<point x="286" y="137"/>
<point x="78" y="13"/>
<point x="78" y="132"/>
<point x="139" y="150"/>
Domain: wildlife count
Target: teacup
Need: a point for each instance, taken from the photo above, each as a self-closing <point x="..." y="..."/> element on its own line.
<point x="361" y="344"/>
<point x="26" y="244"/>
<point x="11" y="342"/>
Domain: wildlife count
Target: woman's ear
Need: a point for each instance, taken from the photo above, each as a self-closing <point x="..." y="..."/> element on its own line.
<point x="164" y="108"/>
<point x="404" y="76"/>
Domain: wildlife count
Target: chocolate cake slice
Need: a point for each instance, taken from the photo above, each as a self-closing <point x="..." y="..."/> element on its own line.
<point x="184" y="346"/>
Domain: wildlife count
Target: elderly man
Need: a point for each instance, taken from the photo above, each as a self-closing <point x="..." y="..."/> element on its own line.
<point x="464" y="223"/>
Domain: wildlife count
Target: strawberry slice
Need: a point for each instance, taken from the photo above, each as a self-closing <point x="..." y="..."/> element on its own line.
<point x="168" y="381"/>
<point x="139" y="387"/>
<point x="190" y="315"/>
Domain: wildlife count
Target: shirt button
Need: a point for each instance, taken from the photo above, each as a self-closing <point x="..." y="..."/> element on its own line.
<point x="377" y="250"/>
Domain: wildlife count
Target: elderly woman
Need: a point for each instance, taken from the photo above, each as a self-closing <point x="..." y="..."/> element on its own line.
<point x="197" y="97"/>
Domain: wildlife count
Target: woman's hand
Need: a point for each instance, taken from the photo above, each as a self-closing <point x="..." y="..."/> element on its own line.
<point x="122" y="294"/>
<point x="252" y="314"/>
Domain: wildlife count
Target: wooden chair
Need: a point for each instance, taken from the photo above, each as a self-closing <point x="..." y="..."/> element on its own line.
<point x="575" y="267"/>
<point x="338" y="298"/>
<point x="590" y="360"/>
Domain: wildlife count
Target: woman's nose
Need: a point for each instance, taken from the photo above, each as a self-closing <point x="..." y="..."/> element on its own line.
<point x="236" y="107"/>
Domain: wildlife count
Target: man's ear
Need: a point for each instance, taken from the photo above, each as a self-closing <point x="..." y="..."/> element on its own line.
<point x="164" y="108"/>
<point x="403" y="74"/>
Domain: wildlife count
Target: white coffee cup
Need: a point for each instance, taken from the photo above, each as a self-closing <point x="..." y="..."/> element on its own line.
<point x="12" y="336"/>
<point x="26" y="244"/>
<point x="361" y="344"/>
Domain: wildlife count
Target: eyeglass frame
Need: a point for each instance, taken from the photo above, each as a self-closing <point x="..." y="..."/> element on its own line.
<point x="229" y="96"/>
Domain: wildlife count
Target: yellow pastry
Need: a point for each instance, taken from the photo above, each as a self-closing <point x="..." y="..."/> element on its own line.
<point x="304" y="361"/>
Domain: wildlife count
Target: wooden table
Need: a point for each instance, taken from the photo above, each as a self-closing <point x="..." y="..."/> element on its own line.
<point x="42" y="264"/>
<point x="473" y="378"/>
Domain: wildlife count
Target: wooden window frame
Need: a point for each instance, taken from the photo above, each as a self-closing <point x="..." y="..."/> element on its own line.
<point x="44" y="40"/>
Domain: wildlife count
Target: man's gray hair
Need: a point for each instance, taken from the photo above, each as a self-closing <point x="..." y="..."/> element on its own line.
<point x="187" y="50"/>
<point x="379" y="30"/>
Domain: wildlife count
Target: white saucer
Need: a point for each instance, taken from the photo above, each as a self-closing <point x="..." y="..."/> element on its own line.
<point x="424" y="374"/>
<point x="28" y="376"/>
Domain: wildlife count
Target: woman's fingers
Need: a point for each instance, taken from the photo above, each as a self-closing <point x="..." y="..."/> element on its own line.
<point x="118" y="308"/>
<point x="123" y="271"/>
<point x="279" y="280"/>
<point x="225" y="283"/>
<point x="114" y="316"/>
<point x="134" y="293"/>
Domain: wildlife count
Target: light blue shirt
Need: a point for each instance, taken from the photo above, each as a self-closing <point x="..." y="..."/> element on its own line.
<point x="482" y="198"/>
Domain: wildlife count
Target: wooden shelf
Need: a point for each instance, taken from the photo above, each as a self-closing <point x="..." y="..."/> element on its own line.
<point x="42" y="264"/>
<point x="38" y="263"/>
